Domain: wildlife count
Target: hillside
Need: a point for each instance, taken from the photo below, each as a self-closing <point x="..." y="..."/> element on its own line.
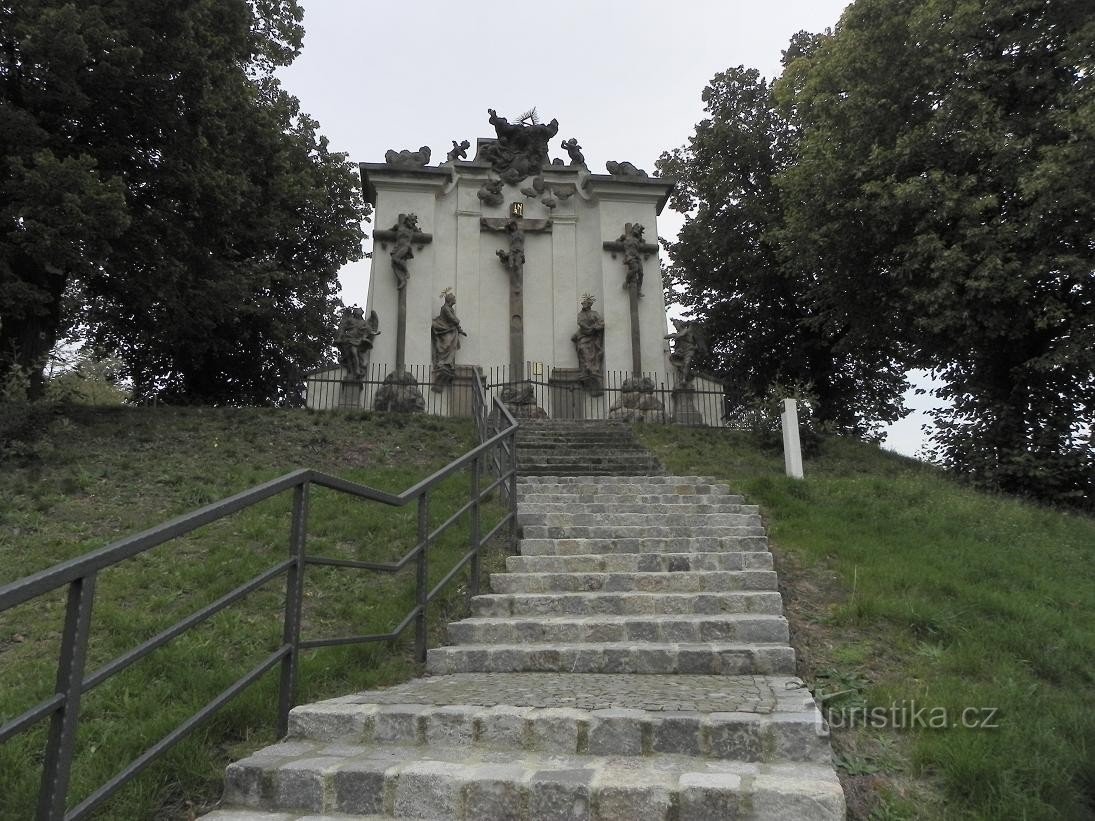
<point x="903" y="588"/>
<point x="75" y="479"/>
<point x="906" y="590"/>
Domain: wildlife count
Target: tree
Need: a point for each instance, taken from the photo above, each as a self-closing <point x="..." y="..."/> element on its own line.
<point x="938" y="179"/>
<point x="164" y="183"/>
<point x="760" y="308"/>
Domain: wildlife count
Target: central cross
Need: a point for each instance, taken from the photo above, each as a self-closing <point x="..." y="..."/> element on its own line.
<point x="405" y="235"/>
<point x="635" y="250"/>
<point x="513" y="259"/>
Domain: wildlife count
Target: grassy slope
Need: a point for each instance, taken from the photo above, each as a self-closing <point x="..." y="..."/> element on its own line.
<point x="85" y="477"/>
<point x="905" y="587"/>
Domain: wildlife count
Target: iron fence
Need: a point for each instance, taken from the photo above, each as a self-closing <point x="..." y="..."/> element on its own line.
<point x="495" y="455"/>
<point x="562" y="394"/>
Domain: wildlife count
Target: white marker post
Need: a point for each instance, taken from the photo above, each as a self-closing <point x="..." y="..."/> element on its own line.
<point x="792" y="448"/>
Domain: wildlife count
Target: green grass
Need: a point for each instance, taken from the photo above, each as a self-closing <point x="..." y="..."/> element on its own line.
<point x="75" y="479"/>
<point x="903" y="586"/>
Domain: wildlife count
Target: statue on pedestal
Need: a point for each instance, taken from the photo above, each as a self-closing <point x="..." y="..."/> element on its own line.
<point x="687" y="342"/>
<point x="445" y="332"/>
<point x="354" y="339"/>
<point x="589" y="342"/>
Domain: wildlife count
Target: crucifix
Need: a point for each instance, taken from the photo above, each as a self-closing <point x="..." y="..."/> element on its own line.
<point x="404" y="235"/>
<point x="513" y="259"/>
<point x="631" y="245"/>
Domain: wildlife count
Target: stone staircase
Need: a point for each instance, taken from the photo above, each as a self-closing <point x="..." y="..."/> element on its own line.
<point x="632" y="663"/>
<point x="571" y="448"/>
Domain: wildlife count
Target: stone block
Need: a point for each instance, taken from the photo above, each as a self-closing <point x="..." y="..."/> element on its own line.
<point x="495" y="792"/>
<point x="560" y="795"/>
<point x="429" y="789"/>
<point x="680" y="733"/>
<point x="452" y="726"/>
<point x="398" y="723"/>
<point x="503" y="726"/>
<point x="556" y="729"/>
<point x="616" y="732"/>
<point x="711" y="797"/>
<point x="299" y="785"/>
<point x="359" y="786"/>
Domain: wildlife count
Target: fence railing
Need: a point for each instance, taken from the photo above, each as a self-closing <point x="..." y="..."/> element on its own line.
<point x="496" y="455"/>
<point x="707" y="403"/>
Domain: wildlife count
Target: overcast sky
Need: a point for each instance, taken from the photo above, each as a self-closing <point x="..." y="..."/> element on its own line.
<point x="625" y="78"/>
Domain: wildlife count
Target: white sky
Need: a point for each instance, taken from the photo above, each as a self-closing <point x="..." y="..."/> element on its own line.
<point x="625" y="78"/>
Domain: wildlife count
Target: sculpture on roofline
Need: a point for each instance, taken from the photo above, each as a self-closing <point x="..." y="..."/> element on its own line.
<point x="459" y="151"/>
<point x="407" y="158"/>
<point x="521" y="148"/>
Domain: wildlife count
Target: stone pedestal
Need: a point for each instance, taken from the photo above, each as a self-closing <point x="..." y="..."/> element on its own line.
<point x="462" y="390"/>
<point x="520" y="400"/>
<point x="349" y="394"/>
<point x="638" y="402"/>
<point x="400" y="394"/>
<point x="684" y="406"/>
<point x="567" y="393"/>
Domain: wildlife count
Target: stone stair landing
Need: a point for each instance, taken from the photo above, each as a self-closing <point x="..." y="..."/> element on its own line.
<point x="632" y="663"/>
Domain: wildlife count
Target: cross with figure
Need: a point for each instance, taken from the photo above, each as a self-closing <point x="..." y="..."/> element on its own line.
<point x="630" y="243"/>
<point x="404" y="235"/>
<point x="513" y="259"/>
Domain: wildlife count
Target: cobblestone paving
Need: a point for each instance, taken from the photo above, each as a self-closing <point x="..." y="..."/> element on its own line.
<point x="596" y="691"/>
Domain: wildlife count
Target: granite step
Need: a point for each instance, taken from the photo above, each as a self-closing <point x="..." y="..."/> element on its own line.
<point x="617" y="507"/>
<point x="455" y="783"/>
<point x="626" y="604"/>
<point x="708" y="581"/>
<point x="709" y="658"/>
<point x="639" y="531"/>
<point x="653" y="519"/>
<point x="737" y="627"/>
<point x="609" y="481"/>
<point x="721" y="500"/>
<point x="748" y="718"/>
<point x="644" y="545"/>
<point x="640" y="562"/>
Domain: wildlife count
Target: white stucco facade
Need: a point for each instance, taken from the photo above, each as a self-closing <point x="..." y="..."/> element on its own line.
<point x="561" y="264"/>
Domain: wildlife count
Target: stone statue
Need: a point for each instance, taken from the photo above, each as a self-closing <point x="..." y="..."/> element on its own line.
<point x="521" y="149"/>
<point x="514" y="258"/>
<point x="354" y="339"/>
<point x="405" y="230"/>
<point x="491" y="192"/>
<point x="445" y="333"/>
<point x="459" y="151"/>
<point x="687" y="342"/>
<point x="575" y="151"/>
<point x="632" y="241"/>
<point x="589" y="341"/>
<point x="407" y="158"/>
<point x="624" y="169"/>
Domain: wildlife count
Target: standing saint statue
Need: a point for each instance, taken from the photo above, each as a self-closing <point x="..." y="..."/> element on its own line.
<point x="445" y="332"/>
<point x="687" y="342"/>
<point x="589" y="342"/>
<point x="354" y="339"/>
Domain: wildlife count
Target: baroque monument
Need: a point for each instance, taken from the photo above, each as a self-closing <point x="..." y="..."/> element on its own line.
<point x="529" y="243"/>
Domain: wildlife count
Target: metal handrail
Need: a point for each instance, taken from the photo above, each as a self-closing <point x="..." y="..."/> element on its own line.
<point x="496" y="430"/>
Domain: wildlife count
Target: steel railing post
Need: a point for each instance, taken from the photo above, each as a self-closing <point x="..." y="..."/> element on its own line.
<point x="61" y="745"/>
<point x="422" y="577"/>
<point x="473" y="582"/>
<point x="513" y="492"/>
<point x="294" y="597"/>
